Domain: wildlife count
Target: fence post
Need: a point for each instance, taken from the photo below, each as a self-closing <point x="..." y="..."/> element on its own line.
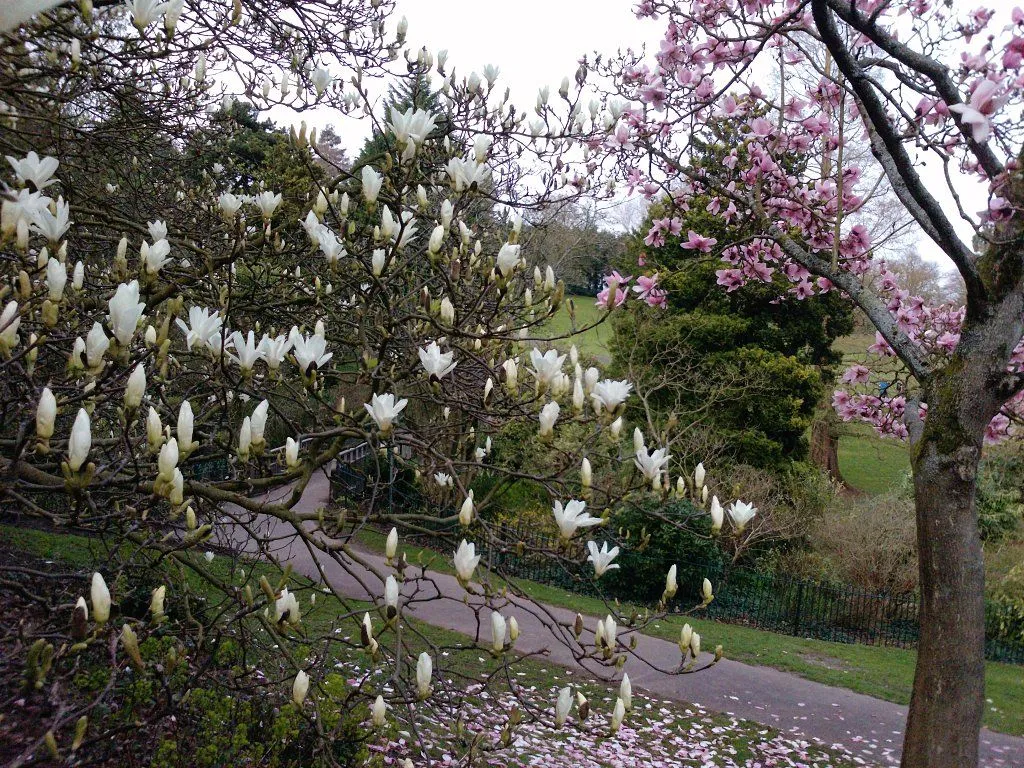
<point x="799" y="606"/>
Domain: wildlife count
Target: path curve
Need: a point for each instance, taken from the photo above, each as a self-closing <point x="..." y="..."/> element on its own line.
<point x="869" y="728"/>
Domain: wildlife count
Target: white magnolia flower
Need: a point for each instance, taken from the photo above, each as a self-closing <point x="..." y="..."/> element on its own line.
<point x="145" y="12"/>
<point x="173" y="14"/>
<point x="384" y="410"/>
<point x="184" y="426"/>
<point x="391" y="545"/>
<point x="602" y="559"/>
<point x="258" y="422"/>
<point x="10" y="321"/>
<point x="96" y="345"/>
<point x="330" y="246"/>
<point x="203" y="326"/>
<point x="498" y="627"/>
<point x="706" y="591"/>
<point x="167" y="462"/>
<point x="412" y="125"/>
<point x="310" y="352"/>
<point x="639" y="444"/>
<point x="562" y="706"/>
<point x="80" y="441"/>
<point x="436" y="239"/>
<point x="274" y="350"/>
<point x="467" y="509"/>
<point x="157" y="230"/>
<point x="610" y="394"/>
<point x="56" y="279"/>
<point x="617" y="715"/>
<point x="741" y="513"/>
<point x="155" y="256"/>
<point x="78" y="276"/>
<point x="572" y="517"/>
<point x="229" y="205"/>
<point x="482" y="142"/>
<point x="651" y="465"/>
<point x="671" y="585"/>
<point x="300" y="687"/>
<point x="378" y="261"/>
<point x="424" y="671"/>
<point x="287" y="609"/>
<point x="447" y="311"/>
<point x="548" y="417"/>
<point x="267" y="202"/>
<point x="155" y="430"/>
<point x="99" y="596"/>
<point x="125" y="312"/>
<point x="31" y="169"/>
<point x="379" y="712"/>
<point x="21" y="210"/>
<point x="508" y="259"/>
<point x="547" y="366"/>
<point x="391" y="596"/>
<point x="247" y="351"/>
<point x="464" y="174"/>
<point x="245" y="438"/>
<point x="717" y="515"/>
<point x="46" y="414"/>
<point x="466" y="561"/>
<point x="321" y="80"/>
<point x="291" y="453"/>
<point x="443" y="479"/>
<point x="52" y="224"/>
<point x="511" y="375"/>
<point x="136" y="387"/>
<point x="698" y="475"/>
<point x="372" y="182"/>
<point x="626" y="692"/>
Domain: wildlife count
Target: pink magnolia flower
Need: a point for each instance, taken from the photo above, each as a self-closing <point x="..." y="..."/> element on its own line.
<point x="856" y="374"/>
<point x="699" y="243"/>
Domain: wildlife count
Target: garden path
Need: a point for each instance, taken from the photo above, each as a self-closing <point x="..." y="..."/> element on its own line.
<point x="870" y="728"/>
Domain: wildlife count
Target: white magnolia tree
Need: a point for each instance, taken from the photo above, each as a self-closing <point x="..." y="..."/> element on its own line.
<point x="182" y="364"/>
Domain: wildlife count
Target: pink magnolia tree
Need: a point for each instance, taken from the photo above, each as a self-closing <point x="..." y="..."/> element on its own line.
<point x="939" y="99"/>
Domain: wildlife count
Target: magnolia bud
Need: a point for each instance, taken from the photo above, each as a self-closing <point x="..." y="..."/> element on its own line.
<point x="46" y="414"/>
<point x="156" y="602"/>
<point x="466" y="512"/>
<point x="379" y="711"/>
<point x="99" y="595"/>
<point x="391" y="546"/>
<point x="136" y="387"/>
<point x="300" y="687"/>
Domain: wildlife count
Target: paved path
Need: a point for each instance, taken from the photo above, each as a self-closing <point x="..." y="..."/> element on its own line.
<point x="870" y="728"/>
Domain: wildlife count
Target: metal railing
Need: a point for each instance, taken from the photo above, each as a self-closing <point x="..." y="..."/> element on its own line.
<point x="799" y="607"/>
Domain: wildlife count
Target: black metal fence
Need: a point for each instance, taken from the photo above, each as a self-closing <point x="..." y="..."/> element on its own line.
<point x="799" y="607"/>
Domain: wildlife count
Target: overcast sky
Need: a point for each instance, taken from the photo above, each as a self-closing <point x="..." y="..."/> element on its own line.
<point x="536" y="43"/>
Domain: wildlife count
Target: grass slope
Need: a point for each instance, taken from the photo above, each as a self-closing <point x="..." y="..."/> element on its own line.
<point x="655" y="731"/>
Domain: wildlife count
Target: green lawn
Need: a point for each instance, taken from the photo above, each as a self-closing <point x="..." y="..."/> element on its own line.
<point x="593" y="342"/>
<point x="886" y="673"/>
<point x="532" y="680"/>
<point x="870" y="463"/>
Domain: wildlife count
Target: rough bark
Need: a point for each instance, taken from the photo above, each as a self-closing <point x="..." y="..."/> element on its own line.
<point x="949" y="681"/>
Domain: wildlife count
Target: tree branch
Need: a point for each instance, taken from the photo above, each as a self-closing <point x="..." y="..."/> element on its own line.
<point x="888" y="148"/>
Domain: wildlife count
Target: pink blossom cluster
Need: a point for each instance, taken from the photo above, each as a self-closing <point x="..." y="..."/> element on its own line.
<point x="703" y="71"/>
<point x="616" y="291"/>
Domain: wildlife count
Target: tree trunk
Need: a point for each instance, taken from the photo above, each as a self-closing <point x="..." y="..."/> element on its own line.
<point x="949" y="681"/>
<point x="825" y="442"/>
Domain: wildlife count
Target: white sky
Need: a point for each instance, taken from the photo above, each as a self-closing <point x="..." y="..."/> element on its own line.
<point x="536" y="43"/>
